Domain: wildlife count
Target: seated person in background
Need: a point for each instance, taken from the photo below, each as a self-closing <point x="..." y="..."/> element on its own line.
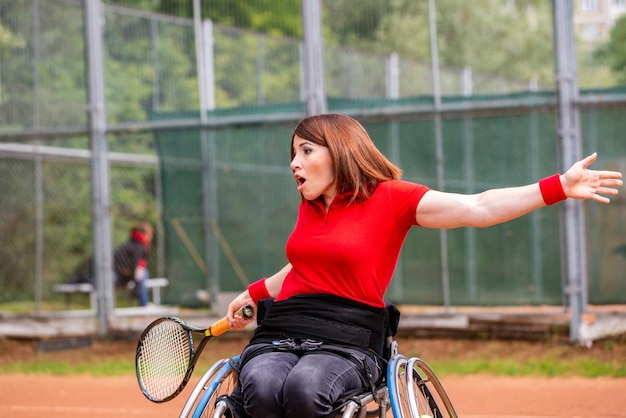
<point x="323" y="334"/>
<point x="130" y="261"/>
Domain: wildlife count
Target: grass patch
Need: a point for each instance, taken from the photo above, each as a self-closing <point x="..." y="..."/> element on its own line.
<point x="499" y="367"/>
<point x="103" y="358"/>
<point x="445" y="357"/>
<point x="536" y="368"/>
<point x="61" y="368"/>
<point x="520" y="358"/>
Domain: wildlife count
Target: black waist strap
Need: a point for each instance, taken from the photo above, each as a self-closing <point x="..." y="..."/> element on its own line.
<point x="325" y="318"/>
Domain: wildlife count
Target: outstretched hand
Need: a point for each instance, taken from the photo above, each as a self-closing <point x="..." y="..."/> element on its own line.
<point x="580" y="182"/>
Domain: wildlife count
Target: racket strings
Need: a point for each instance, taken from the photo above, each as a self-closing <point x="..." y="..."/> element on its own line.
<point x="163" y="359"/>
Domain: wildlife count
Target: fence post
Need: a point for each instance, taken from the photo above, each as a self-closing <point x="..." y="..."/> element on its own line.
<point x="392" y="73"/>
<point x="99" y="165"/>
<point x="315" y="92"/>
<point x="39" y="196"/>
<point x="573" y="247"/>
<point x="393" y="76"/>
<point x="443" y="235"/>
<point x="206" y="84"/>
<point x="467" y="82"/>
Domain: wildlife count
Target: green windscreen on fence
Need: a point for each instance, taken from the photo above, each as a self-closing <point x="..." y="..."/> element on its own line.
<point x="230" y="202"/>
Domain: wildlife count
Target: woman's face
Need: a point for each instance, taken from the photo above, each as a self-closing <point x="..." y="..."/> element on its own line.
<point x="312" y="168"/>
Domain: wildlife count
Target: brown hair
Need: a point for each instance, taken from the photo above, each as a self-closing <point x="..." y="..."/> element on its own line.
<point x="359" y="166"/>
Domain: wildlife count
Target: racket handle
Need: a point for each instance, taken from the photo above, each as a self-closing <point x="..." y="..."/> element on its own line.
<point x="221" y="326"/>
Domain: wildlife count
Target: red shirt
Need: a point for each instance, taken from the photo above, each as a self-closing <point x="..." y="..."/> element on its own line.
<point x="352" y="250"/>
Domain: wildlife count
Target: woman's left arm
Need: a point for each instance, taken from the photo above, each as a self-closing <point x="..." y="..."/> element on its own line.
<point x="491" y="207"/>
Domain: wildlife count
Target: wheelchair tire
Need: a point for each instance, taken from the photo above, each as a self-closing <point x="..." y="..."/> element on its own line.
<point x="217" y="381"/>
<point x="397" y="385"/>
<point x="222" y="384"/>
<point x="415" y="391"/>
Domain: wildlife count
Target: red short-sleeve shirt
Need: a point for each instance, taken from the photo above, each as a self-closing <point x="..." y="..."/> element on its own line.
<point x="352" y="250"/>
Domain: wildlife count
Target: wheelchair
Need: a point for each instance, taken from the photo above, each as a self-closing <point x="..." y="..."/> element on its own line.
<point x="410" y="389"/>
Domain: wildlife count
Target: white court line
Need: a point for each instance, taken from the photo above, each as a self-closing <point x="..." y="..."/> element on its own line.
<point x="532" y="416"/>
<point x="72" y="409"/>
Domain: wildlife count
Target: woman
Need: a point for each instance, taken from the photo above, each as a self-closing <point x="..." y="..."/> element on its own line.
<point x="323" y="334"/>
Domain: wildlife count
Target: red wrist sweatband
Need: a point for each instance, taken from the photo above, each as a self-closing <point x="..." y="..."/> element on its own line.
<point x="552" y="189"/>
<point x="258" y="291"/>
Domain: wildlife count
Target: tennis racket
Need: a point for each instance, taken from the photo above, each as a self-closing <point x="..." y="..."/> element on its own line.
<point x="166" y="354"/>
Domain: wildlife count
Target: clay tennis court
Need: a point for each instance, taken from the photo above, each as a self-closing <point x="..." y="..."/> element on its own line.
<point x="31" y="396"/>
<point x="487" y="396"/>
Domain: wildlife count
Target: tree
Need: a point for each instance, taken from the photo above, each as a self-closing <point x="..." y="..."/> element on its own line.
<point x="274" y="17"/>
<point x="511" y="39"/>
<point x="9" y="43"/>
<point x="613" y="53"/>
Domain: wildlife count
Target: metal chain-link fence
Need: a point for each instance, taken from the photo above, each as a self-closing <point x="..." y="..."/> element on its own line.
<point x="46" y="219"/>
<point x="225" y="191"/>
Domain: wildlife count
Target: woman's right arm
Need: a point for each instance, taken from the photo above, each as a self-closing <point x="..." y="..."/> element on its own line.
<point x="273" y="284"/>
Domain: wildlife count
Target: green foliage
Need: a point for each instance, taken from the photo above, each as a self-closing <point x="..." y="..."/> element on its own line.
<point x="14" y="178"/>
<point x="511" y="39"/>
<point x="8" y="40"/>
<point x="356" y="26"/>
<point x="135" y="58"/>
<point x="273" y="17"/>
<point x="518" y="34"/>
<point x="614" y="51"/>
<point x="48" y="64"/>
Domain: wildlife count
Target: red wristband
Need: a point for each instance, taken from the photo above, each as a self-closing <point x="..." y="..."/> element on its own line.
<point x="258" y="291"/>
<point x="552" y="189"/>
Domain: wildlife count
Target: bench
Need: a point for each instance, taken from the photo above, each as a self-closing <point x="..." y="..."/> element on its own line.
<point x="155" y="285"/>
<point x="69" y="289"/>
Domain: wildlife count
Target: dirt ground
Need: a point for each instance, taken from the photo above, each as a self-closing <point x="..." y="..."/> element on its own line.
<point x="486" y="396"/>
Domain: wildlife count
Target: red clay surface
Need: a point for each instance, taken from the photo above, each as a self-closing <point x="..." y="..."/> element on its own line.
<point x="486" y="396"/>
<point x="34" y="396"/>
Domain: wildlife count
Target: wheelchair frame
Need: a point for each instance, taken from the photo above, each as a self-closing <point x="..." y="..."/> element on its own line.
<point x="410" y="390"/>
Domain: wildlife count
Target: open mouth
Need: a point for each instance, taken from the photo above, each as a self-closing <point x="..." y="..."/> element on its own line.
<point x="300" y="181"/>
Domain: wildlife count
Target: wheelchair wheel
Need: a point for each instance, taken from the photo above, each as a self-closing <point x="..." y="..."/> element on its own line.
<point x="415" y="391"/>
<point x="217" y="381"/>
<point x="222" y="384"/>
<point x="427" y="397"/>
<point x="200" y="387"/>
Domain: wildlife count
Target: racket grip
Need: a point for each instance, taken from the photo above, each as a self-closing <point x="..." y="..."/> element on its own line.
<point x="219" y="327"/>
